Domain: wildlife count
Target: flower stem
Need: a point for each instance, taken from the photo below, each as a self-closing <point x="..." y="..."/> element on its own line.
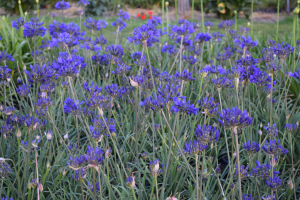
<point x="133" y="193"/>
<point x="197" y="181"/>
<point x="238" y="161"/>
<point x="202" y="167"/>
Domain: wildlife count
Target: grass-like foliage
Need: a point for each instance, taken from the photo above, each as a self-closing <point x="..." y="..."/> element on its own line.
<point x="172" y="113"/>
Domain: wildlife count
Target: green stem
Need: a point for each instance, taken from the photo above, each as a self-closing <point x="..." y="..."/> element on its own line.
<point x="192" y="16"/>
<point x="202" y="16"/>
<point x="197" y="175"/>
<point x="202" y="167"/>
<point x="133" y="193"/>
<point x="156" y="185"/>
<point x="277" y="18"/>
<point x="238" y="161"/>
<point x="94" y="182"/>
<point x="136" y="141"/>
<point x="176" y="10"/>
<point x="252" y="3"/>
<point x="107" y="171"/>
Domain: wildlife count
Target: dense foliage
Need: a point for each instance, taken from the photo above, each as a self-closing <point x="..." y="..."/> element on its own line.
<point x="175" y="113"/>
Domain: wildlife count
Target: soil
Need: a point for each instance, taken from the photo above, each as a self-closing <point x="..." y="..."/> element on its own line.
<point x="72" y="12"/>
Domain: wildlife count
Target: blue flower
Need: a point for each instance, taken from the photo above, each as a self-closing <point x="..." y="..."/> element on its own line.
<point x="246" y="197"/>
<point x="184" y="75"/>
<point x="183" y="29"/>
<point x="169" y="49"/>
<point x="4" y="57"/>
<point x="231" y="118"/>
<point x="263" y="170"/>
<point x="208" y="103"/>
<point x="71" y="107"/>
<point x="202" y="37"/>
<point x="295" y="74"/>
<point x="207" y="134"/>
<point x="169" y="91"/>
<point x="83" y="2"/>
<point x="97" y="100"/>
<point x="243" y="171"/>
<point x="99" y="128"/>
<point x="290" y="127"/>
<point x="19" y="23"/>
<point x="102" y="59"/>
<point x="4" y="73"/>
<point x="123" y="15"/>
<point x="155" y="103"/>
<point x="113" y="90"/>
<point x="100" y="40"/>
<point x="223" y="82"/>
<point x="154" y="168"/>
<point x="273" y="183"/>
<point x="283" y="50"/>
<point x="65" y="39"/>
<point x="44" y="102"/>
<point x="68" y="66"/>
<point x="34" y="28"/>
<point x="245" y="42"/>
<point x="217" y="36"/>
<point x="119" y="23"/>
<point x="57" y="27"/>
<point x="183" y="106"/>
<point x="76" y="176"/>
<point x="272" y="131"/>
<point x="272" y="68"/>
<point x="147" y="32"/>
<point x="214" y="69"/>
<point x="274" y="147"/>
<point x="190" y="59"/>
<point x="95" y="25"/>
<point x="90" y="46"/>
<point x="247" y="61"/>
<point x="121" y="69"/>
<point x="251" y="147"/>
<point x="113" y="50"/>
<point x="39" y="73"/>
<point x="93" y="89"/>
<point x="62" y="5"/>
<point x="208" y="24"/>
<point x="130" y="181"/>
<point x="226" y="24"/>
<point x="193" y="147"/>
<point x="6" y="130"/>
<point x="7" y="198"/>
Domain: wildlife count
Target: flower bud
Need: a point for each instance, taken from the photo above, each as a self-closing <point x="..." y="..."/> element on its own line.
<point x="211" y="159"/>
<point x="25" y="15"/>
<point x="171" y="198"/>
<point x="37" y="1"/>
<point x="145" y="155"/>
<point x="235" y="12"/>
<point x="167" y="3"/>
<point x="19" y="133"/>
<point x="66" y="136"/>
<point x="130" y="181"/>
<point x="249" y="24"/>
<point x="133" y="83"/>
<point x="48" y="164"/>
<point x="19" y="1"/>
<point x="108" y="152"/>
<point x="179" y="168"/>
<point x="113" y="134"/>
<point x="290" y="184"/>
<point x="37" y="137"/>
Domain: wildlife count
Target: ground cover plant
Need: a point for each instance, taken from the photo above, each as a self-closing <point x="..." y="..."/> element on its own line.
<point x="175" y="112"/>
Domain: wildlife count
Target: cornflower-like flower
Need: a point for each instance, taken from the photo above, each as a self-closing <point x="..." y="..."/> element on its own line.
<point x="7" y="198"/>
<point x="83" y="2"/>
<point x="130" y="181"/>
<point x="95" y="25"/>
<point x="202" y="38"/>
<point x="71" y="107"/>
<point x="47" y="87"/>
<point x="208" y="24"/>
<point x="243" y="171"/>
<point x="39" y="73"/>
<point x="18" y="23"/>
<point x="93" y="156"/>
<point x="116" y="51"/>
<point x="217" y="36"/>
<point x="154" y="168"/>
<point x="272" y="131"/>
<point x="119" y="23"/>
<point x="155" y="103"/>
<point x="123" y="15"/>
<point x="4" y="57"/>
<point x="290" y="127"/>
<point x="102" y="59"/>
<point x="101" y="128"/>
<point x="263" y="170"/>
<point x="214" y="69"/>
<point x="272" y="68"/>
<point x="183" y="106"/>
<point x="193" y="147"/>
<point x="283" y="50"/>
<point x="295" y="75"/>
<point x="169" y="49"/>
<point x="274" y="148"/>
<point x="233" y="33"/>
<point x="34" y="28"/>
<point x="76" y="176"/>
<point x="244" y="30"/>
<point x="44" y="102"/>
<point x="57" y="27"/>
<point x="183" y="29"/>
<point x="273" y="183"/>
<point x="184" y="75"/>
<point x="146" y="33"/>
<point x="268" y="55"/>
<point x="166" y="77"/>
<point x="7" y="110"/>
<point x="139" y="58"/>
<point x="4" y="170"/>
<point x="260" y="78"/>
<point x="62" y="5"/>
<point x="186" y="42"/>
<point x="65" y="40"/>
<point x="100" y="40"/>
<point x="93" y="89"/>
<point x="169" y="91"/>
<point x="113" y="90"/>
<point x="207" y="134"/>
<point x="247" y="61"/>
<point x="226" y="24"/>
<point x="251" y="147"/>
<point x="232" y="118"/>
<point x="243" y="42"/>
<point x="4" y="73"/>
<point x="90" y="46"/>
<point x="68" y="66"/>
<point x="121" y="69"/>
<point x="269" y="197"/>
<point x="194" y="50"/>
<point x="6" y="130"/>
<point x="246" y="197"/>
<point x="208" y="103"/>
<point x="190" y="59"/>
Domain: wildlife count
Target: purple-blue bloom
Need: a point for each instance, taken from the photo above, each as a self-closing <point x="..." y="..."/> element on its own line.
<point x="273" y="147"/>
<point x="232" y="118"/>
<point x="183" y="106"/>
<point x="251" y="147"/>
<point x="62" y="5"/>
<point x="207" y="134"/>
